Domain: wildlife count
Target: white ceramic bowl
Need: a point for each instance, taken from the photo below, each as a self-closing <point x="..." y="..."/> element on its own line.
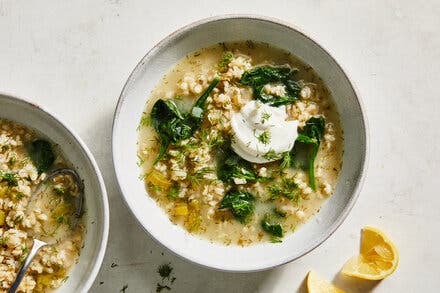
<point x="96" y="215"/>
<point x="131" y="104"/>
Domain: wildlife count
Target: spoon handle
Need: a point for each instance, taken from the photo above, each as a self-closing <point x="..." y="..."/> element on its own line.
<point x="27" y="261"/>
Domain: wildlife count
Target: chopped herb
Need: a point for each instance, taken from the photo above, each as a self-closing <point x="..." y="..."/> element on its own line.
<point x="197" y="177"/>
<point x="265" y="117"/>
<point x="145" y="121"/>
<point x="11" y="161"/>
<point x="258" y="77"/>
<point x="19" y="195"/>
<point x="287" y="188"/>
<point x="3" y="241"/>
<point x="24" y="249"/>
<point x="10" y="178"/>
<point x="60" y="219"/>
<point x="125" y="287"/>
<point x="160" y="287"/>
<point x="114" y="265"/>
<point x="241" y="204"/>
<point x="174" y="191"/>
<point x="287" y="160"/>
<point x="312" y="134"/>
<point x="64" y="280"/>
<point x="155" y="187"/>
<point x="271" y="155"/>
<point x="224" y="62"/>
<point x="140" y="161"/>
<point x="165" y="271"/>
<point x="211" y="139"/>
<point x="24" y="252"/>
<point x="264" y="137"/>
<point x="59" y="190"/>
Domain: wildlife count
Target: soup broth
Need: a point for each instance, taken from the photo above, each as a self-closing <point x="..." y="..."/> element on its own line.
<point x="203" y="184"/>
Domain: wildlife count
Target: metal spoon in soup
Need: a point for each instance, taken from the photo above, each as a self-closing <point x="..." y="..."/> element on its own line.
<point x="62" y="194"/>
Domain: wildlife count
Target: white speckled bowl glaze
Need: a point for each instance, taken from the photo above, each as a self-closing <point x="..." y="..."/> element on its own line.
<point x="131" y="104"/>
<point x="96" y="215"/>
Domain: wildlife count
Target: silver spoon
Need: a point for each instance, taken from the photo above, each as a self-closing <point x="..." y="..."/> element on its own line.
<point x="37" y="243"/>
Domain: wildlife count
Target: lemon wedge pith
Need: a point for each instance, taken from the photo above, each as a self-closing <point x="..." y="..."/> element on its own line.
<point x="378" y="257"/>
<point x="316" y="284"/>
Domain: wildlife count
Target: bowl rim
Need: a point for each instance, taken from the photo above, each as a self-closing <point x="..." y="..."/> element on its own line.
<point x="85" y="287"/>
<point x="271" y="20"/>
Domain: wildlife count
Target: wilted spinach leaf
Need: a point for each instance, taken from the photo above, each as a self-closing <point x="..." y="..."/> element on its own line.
<point x="231" y="166"/>
<point x="258" y="77"/>
<point x="173" y="126"/>
<point x="271" y="227"/>
<point x="241" y="204"/>
<point x="41" y="154"/>
<point x="312" y="134"/>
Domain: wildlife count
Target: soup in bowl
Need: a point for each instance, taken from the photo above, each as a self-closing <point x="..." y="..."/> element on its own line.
<point x="231" y="140"/>
<point x="260" y="158"/>
<point x="36" y="201"/>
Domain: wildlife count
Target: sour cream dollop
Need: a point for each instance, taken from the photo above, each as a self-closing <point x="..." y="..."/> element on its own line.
<point x="262" y="133"/>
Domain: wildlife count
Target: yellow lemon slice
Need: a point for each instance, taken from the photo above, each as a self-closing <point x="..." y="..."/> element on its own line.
<point x="378" y="257"/>
<point x="316" y="284"/>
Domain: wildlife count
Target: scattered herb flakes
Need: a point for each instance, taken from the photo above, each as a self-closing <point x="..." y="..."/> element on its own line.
<point x="224" y="62"/>
<point x="265" y="117"/>
<point x="124" y="288"/>
<point x="100" y="283"/>
<point x="264" y="137"/>
<point x="10" y="178"/>
<point x="174" y="191"/>
<point x="114" y="265"/>
<point x="165" y="271"/>
<point x="271" y="155"/>
<point x="160" y="287"/>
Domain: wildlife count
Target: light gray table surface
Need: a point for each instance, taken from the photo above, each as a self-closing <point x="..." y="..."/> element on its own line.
<point x="73" y="57"/>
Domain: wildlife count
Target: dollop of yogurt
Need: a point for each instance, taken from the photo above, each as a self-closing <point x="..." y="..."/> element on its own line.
<point x="261" y="132"/>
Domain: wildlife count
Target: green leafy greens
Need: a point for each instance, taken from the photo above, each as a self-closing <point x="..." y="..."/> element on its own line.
<point x="173" y="126"/>
<point x="258" y="77"/>
<point x="240" y="203"/>
<point x="231" y="166"/>
<point x="273" y="228"/>
<point x="312" y="134"/>
<point x="41" y="154"/>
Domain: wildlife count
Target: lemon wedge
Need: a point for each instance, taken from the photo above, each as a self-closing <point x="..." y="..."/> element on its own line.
<point x="316" y="284"/>
<point x="378" y="257"/>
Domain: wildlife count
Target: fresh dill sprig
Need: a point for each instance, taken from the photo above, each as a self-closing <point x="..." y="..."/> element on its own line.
<point x="264" y="137"/>
<point x="265" y="117"/>
<point x="271" y="155"/>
